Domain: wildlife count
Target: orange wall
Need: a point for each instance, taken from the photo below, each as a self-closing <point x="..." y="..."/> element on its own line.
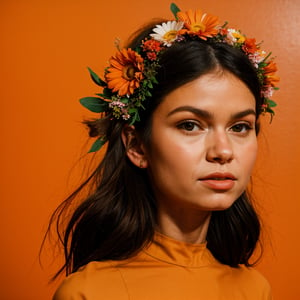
<point x="45" y="49"/>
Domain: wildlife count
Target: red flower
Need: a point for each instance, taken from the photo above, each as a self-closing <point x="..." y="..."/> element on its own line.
<point x="250" y="46"/>
<point x="151" y="55"/>
<point x="151" y="45"/>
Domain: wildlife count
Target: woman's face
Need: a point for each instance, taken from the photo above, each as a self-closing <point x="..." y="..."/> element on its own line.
<point x="203" y="144"/>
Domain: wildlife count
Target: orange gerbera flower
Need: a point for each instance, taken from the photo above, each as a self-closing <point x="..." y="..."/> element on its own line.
<point x="197" y="23"/>
<point x="125" y="72"/>
<point x="270" y="77"/>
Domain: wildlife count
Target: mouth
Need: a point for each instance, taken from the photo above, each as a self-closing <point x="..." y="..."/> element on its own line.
<point x="219" y="176"/>
<point x="219" y="181"/>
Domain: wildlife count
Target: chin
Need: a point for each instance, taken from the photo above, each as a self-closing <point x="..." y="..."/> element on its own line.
<point x="221" y="204"/>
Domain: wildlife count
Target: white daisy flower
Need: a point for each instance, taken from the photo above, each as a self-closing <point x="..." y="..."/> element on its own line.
<point x="167" y="32"/>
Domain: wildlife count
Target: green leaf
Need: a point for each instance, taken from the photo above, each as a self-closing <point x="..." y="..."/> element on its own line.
<point x="101" y="95"/>
<point x="272" y="103"/>
<point x="107" y="92"/>
<point x="132" y="110"/>
<point x="153" y="79"/>
<point x="97" y="145"/>
<point x="174" y="9"/>
<point x="265" y="59"/>
<point x="148" y="94"/>
<point x="271" y="115"/>
<point x="135" y="118"/>
<point x="262" y="64"/>
<point x="94" y="104"/>
<point x="225" y="24"/>
<point x="124" y="100"/>
<point x="96" y="78"/>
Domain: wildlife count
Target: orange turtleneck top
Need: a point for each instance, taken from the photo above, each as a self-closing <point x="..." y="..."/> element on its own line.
<point x="166" y="270"/>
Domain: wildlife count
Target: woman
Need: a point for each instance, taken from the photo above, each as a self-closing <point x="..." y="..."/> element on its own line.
<point x="168" y="215"/>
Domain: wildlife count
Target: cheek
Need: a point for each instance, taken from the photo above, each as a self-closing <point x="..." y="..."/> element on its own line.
<point x="168" y="156"/>
<point x="249" y="155"/>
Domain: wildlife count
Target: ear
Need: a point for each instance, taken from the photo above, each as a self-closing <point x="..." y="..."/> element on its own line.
<point x="135" y="150"/>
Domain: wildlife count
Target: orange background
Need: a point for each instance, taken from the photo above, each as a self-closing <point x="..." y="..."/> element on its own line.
<point x="45" y="49"/>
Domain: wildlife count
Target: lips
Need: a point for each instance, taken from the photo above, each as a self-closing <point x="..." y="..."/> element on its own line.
<point x="219" y="181"/>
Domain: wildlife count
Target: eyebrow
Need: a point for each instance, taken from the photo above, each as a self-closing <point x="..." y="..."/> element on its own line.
<point x="244" y="113"/>
<point x="208" y="115"/>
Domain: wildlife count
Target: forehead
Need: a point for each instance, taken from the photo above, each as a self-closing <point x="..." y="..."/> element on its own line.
<point x="218" y="90"/>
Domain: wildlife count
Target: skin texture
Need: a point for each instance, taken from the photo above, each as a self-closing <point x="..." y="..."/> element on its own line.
<point x="201" y="131"/>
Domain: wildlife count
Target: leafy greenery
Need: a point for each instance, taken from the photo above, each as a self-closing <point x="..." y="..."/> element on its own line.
<point x="96" y="78"/>
<point x="97" y="144"/>
<point x="174" y="9"/>
<point x="94" y="104"/>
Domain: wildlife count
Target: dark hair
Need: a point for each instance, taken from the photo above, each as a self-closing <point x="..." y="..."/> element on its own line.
<point x="118" y="218"/>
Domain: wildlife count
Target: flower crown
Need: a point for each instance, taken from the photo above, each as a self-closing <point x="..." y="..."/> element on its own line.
<point x="130" y="77"/>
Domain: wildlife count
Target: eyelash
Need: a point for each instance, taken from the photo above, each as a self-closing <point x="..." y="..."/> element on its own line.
<point x="186" y="126"/>
<point x="183" y="125"/>
<point x="246" y="127"/>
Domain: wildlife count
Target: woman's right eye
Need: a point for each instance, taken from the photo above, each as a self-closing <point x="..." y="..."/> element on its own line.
<point x="188" y="126"/>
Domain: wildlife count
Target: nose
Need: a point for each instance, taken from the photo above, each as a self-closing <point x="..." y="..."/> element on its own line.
<point x="219" y="148"/>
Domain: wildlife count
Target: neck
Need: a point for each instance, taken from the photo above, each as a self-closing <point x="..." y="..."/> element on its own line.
<point x="186" y="226"/>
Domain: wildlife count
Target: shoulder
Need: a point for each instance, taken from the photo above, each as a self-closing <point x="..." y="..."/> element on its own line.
<point x="252" y="280"/>
<point x="96" y="280"/>
<point x="253" y="275"/>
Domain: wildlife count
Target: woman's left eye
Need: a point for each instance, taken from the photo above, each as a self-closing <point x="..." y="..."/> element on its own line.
<point x="241" y="127"/>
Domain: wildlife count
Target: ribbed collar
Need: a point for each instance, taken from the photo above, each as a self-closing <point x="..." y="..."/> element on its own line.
<point x="171" y="251"/>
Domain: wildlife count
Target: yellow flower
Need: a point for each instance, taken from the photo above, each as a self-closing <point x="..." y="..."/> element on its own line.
<point x="239" y="37"/>
<point x="125" y="72"/>
<point x="198" y="23"/>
